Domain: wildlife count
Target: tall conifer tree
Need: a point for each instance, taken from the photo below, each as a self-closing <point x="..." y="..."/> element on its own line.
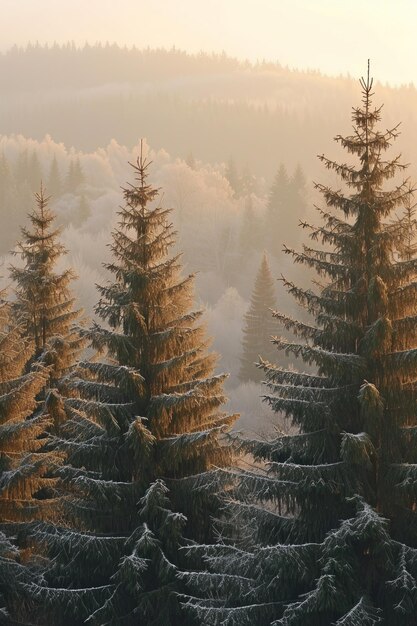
<point x="150" y="411"/>
<point x="330" y="517"/>
<point x="44" y="300"/>
<point x="259" y="325"/>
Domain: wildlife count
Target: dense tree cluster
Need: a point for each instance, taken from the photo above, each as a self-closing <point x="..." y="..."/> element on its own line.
<point x="124" y="449"/>
<point x="123" y="498"/>
<point x="262" y="114"/>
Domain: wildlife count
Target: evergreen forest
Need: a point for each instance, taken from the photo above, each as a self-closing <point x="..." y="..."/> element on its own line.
<point x="208" y="366"/>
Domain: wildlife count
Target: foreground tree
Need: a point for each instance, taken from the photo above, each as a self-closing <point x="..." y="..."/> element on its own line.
<point x="329" y="518"/>
<point x="150" y="411"/>
<point x="259" y="325"/>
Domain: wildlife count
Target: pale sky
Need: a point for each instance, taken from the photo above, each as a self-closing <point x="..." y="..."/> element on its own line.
<point x="334" y="36"/>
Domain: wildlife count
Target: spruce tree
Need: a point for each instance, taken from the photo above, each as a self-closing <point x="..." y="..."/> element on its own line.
<point x="259" y="325"/>
<point x="151" y="410"/>
<point x="329" y="518"/>
<point x="154" y="332"/>
<point x="44" y="300"/>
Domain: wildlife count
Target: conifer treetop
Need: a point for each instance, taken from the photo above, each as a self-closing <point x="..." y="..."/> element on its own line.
<point x="44" y="300"/>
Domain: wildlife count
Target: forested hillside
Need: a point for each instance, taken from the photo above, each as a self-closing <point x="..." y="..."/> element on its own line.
<point x="210" y="105"/>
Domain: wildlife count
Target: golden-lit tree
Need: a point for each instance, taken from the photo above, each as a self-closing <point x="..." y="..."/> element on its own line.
<point x="44" y="300"/>
<point x="27" y="482"/>
<point x="148" y="417"/>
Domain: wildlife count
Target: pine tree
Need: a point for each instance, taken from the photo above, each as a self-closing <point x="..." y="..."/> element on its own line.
<point x="259" y="325"/>
<point x="329" y="517"/>
<point x="44" y="300"/>
<point x="154" y="332"/>
<point x="150" y="410"/>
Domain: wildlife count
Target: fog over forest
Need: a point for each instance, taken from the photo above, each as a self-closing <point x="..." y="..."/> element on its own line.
<point x="208" y="338"/>
<point x="219" y="132"/>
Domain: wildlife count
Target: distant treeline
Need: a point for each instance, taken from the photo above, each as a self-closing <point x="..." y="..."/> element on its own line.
<point x="212" y="105"/>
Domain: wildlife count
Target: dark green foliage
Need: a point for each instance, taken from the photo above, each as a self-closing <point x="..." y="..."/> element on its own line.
<point x="328" y="527"/>
<point x="150" y="409"/>
<point x="135" y="576"/>
<point x="286" y="207"/>
<point x="259" y="325"/>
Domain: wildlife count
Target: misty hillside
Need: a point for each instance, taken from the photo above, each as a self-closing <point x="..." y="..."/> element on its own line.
<point x="210" y="105"/>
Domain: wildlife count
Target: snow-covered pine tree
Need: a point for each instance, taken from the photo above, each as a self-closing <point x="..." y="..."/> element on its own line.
<point x="259" y="325"/>
<point x="150" y="410"/>
<point x="44" y="300"/>
<point x="330" y="515"/>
